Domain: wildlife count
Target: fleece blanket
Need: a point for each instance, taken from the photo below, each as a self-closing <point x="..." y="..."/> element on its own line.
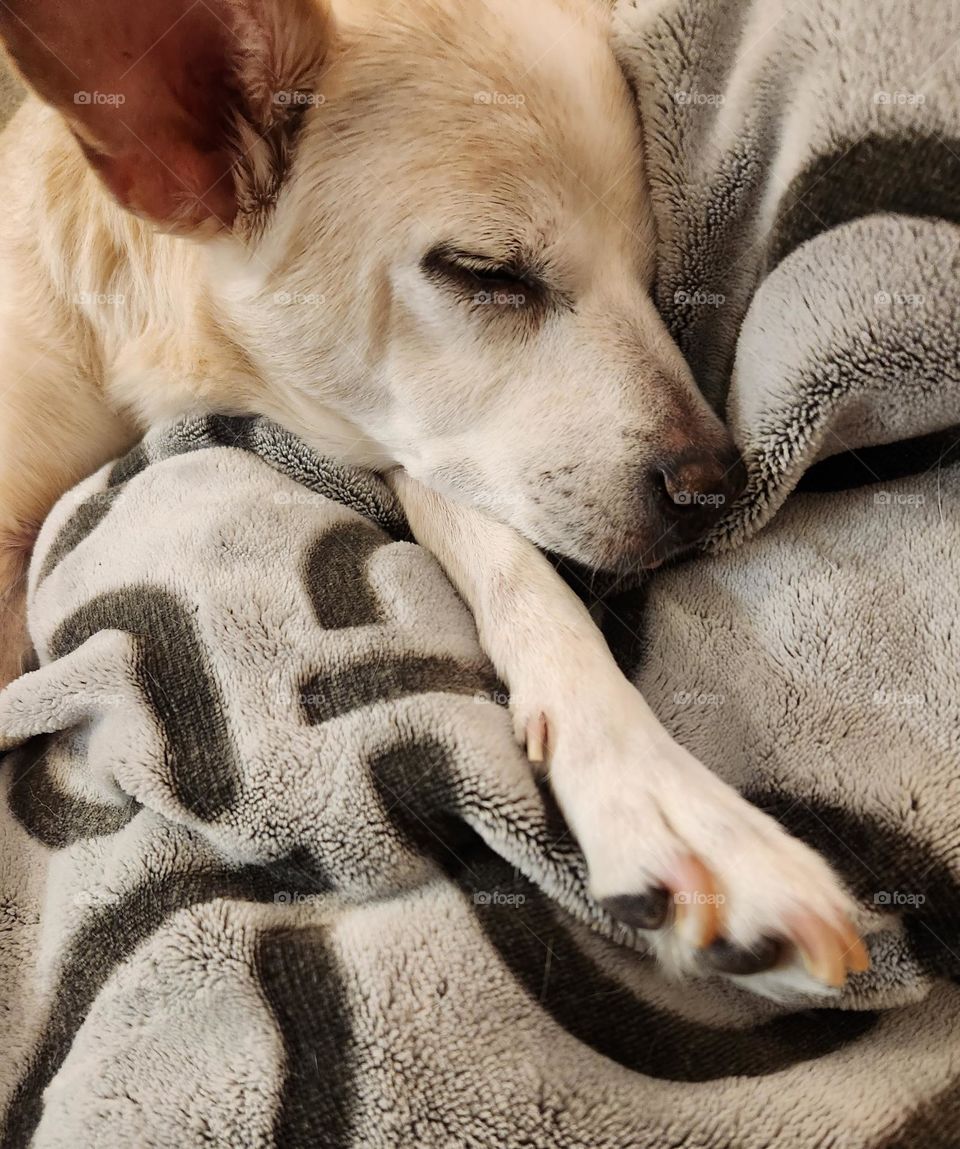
<point x="272" y="870"/>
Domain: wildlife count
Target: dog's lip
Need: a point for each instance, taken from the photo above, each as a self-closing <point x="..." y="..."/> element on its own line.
<point x="661" y="560"/>
<point x="657" y="557"/>
<point x="641" y="556"/>
<point x="666" y="548"/>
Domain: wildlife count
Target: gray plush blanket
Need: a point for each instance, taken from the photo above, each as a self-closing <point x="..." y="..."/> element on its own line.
<point x="259" y="883"/>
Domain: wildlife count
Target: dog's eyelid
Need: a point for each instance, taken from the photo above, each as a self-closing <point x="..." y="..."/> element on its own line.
<point x="450" y="261"/>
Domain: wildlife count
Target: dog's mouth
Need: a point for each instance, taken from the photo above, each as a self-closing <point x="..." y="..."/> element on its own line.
<point x="673" y="544"/>
<point x="675" y="508"/>
<point x="638" y="552"/>
<point x="612" y="569"/>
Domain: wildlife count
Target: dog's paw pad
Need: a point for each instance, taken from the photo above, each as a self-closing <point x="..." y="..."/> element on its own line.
<point x="647" y="911"/>
<point x="723" y="956"/>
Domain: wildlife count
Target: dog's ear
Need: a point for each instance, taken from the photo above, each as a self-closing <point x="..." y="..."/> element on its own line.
<point x="185" y="110"/>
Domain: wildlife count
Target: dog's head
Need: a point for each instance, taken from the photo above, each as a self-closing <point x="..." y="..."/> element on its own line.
<point x="428" y="217"/>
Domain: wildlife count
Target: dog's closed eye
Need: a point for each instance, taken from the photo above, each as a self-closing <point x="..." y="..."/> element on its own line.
<point x="484" y="279"/>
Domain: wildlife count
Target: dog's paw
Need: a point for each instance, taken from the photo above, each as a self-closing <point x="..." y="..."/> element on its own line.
<point x="713" y="883"/>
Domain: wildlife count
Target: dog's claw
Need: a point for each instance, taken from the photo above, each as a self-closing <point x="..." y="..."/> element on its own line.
<point x="647" y="911"/>
<point x="537" y="739"/>
<point x="858" y="957"/>
<point x="697" y="902"/>
<point x="830" y="951"/>
<point x="855" y="953"/>
<point x="822" y="950"/>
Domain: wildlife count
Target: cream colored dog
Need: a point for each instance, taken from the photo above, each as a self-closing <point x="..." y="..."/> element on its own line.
<point x="416" y="234"/>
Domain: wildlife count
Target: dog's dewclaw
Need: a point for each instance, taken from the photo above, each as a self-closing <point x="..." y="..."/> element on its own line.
<point x="537" y="738"/>
<point x="696" y="901"/>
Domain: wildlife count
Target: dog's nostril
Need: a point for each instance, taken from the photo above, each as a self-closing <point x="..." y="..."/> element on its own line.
<point x="677" y="488"/>
<point x="707" y="481"/>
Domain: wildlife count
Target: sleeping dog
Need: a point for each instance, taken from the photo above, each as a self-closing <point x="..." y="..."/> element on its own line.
<point x="417" y="235"/>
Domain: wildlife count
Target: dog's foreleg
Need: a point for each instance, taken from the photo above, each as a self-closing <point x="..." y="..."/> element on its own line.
<point x="669" y="847"/>
<point x="55" y="429"/>
<point x="539" y="635"/>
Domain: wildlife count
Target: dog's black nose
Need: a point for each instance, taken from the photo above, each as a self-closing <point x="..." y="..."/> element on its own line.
<point x="696" y="480"/>
<point x="694" y="490"/>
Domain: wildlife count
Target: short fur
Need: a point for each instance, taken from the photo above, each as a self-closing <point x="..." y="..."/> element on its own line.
<point x="312" y="256"/>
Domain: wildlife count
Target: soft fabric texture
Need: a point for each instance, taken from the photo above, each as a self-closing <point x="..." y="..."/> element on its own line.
<point x="272" y="870"/>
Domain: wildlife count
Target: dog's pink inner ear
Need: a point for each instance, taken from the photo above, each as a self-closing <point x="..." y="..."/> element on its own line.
<point x="152" y="89"/>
